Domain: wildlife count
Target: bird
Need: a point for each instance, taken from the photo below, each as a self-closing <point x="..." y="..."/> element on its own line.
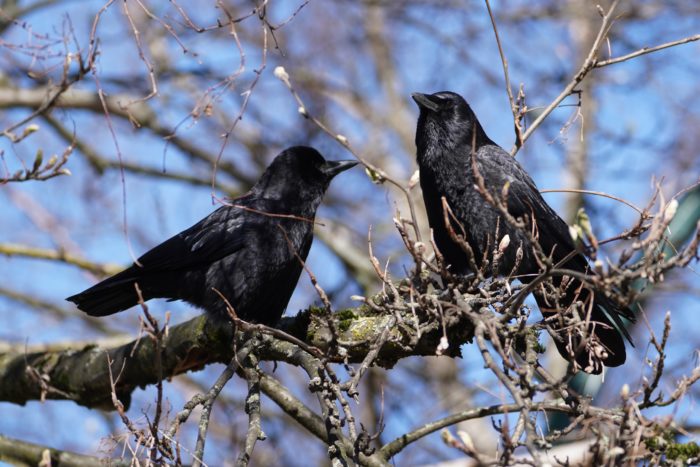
<point x="459" y="163"/>
<point x="248" y="251"/>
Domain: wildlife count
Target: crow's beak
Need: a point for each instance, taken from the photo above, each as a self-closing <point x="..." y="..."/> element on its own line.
<point x="425" y="101"/>
<point x="333" y="168"/>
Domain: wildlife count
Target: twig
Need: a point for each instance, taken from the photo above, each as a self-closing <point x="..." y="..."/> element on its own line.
<point x="381" y="175"/>
<point x="646" y="50"/>
<point x="252" y="408"/>
<point x="397" y="445"/>
<point x="596" y="193"/>
<point x="517" y="115"/>
<point x="207" y="405"/>
<point x="156" y="333"/>
<point x="586" y="67"/>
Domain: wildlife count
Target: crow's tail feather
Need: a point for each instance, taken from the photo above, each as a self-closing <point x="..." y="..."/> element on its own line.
<point x="605" y="324"/>
<point x="109" y="296"/>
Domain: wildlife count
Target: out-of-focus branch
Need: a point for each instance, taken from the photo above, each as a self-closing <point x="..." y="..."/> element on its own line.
<point x="115" y="339"/>
<point x="397" y="115"/>
<point x="354" y="259"/>
<point x="75" y="99"/>
<point x="18" y="452"/>
<point x="12" y="12"/>
<point x="54" y="310"/>
<point x="100" y="163"/>
<point x="137" y="112"/>
<point x="12" y="249"/>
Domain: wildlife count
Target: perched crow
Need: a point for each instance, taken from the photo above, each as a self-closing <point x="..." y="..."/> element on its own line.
<point x="447" y="137"/>
<point x="247" y="251"/>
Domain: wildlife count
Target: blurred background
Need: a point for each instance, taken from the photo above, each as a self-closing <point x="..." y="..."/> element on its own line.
<point x="181" y="109"/>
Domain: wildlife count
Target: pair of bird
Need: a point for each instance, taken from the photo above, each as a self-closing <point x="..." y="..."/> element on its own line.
<point x="251" y="251"/>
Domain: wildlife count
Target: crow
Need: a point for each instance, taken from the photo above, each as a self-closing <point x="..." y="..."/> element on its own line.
<point x="250" y="251"/>
<point x="448" y="138"/>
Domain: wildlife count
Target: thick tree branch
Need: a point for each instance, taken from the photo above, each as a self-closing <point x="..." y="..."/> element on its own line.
<point x="82" y="375"/>
<point x="293" y="407"/>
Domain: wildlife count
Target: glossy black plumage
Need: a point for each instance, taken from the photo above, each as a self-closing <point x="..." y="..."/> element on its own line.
<point x="447" y="133"/>
<point x="246" y="250"/>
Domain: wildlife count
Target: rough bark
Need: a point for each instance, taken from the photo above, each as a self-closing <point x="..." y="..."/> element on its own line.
<point x="82" y="375"/>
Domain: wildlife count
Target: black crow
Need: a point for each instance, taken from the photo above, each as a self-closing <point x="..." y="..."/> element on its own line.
<point x="447" y="137"/>
<point x="249" y="251"/>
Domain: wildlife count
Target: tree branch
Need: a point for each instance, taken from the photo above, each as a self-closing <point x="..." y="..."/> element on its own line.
<point x="586" y="67"/>
<point x="82" y="375"/>
<point x="646" y="50"/>
<point x="13" y="249"/>
<point x="18" y="452"/>
<point x="394" y="447"/>
<point x="122" y="105"/>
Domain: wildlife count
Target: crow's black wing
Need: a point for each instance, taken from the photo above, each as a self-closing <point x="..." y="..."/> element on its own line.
<point x="220" y="234"/>
<point x="525" y="200"/>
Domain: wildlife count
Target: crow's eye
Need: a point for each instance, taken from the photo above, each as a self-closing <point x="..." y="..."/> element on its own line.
<point x="315" y="165"/>
<point x="442" y="103"/>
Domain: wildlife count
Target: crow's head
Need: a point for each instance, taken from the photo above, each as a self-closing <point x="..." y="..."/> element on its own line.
<point x="299" y="174"/>
<point x="446" y="122"/>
